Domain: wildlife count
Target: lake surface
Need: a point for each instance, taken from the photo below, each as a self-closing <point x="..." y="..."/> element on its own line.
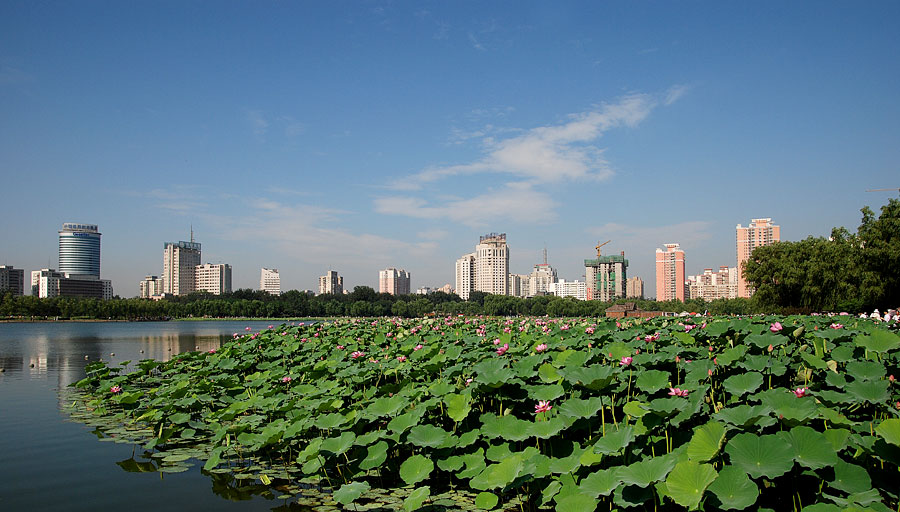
<point x="50" y="462"/>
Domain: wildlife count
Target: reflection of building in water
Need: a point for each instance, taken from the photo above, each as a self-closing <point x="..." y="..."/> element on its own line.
<point x="168" y="344"/>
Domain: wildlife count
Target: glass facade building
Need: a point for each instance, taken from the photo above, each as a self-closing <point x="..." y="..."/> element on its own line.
<point x="79" y="249"/>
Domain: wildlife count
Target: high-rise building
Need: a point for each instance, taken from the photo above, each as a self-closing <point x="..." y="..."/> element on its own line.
<point x="760" y="232"/>
<point x="393" y="281"/>
<point x="518" y="285"/>
<point x="540" y="279"/>
<point x="670" y="273"/>
<point x="331" y="283"/>
<point x="714" y="285"/>
<point x="180" y="260"/>
<point x="563" y="288"/>
<point x="606" y="276"/>
<point x="634" y="288"/>
<point x="214" y="278"/>
<point x="79" y="250"/>
<point x="465" y="276"/>
<point x="151" y="286"/>
<point x="12" y="280"/>
<point x="492" y="264"/>
<point x="270" y="281"/>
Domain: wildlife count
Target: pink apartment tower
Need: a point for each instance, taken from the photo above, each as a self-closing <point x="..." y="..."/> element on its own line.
<point x="670" y="273"/>
<point x="759" y="232"/>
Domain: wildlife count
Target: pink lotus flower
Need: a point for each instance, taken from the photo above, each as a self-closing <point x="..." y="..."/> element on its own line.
<point x="271" y="326"/>
<point x="626" y="361"/>
<point x="836" y="326"/>
<point x="689" y="327"/>
<point x="469" y="381"/>
<point x="678" y="392"/>
<point x="418" y="347"/>
<point x="211" y="351"/>
<point x="497" y="341"/>
<point x="286" y="379"/>
<point x="247" y="328"/>
<point x="357" y="354"/>
<point x="776" y="327"/>
<point x="800" y="392"/>
<point x="542" y="406"/>
<point x="589" y="330"/>
<point x="341" y="347"/>
<point x="502" y="350"/>
<point x="401" y="358"/>
<point x="540" y="348"/>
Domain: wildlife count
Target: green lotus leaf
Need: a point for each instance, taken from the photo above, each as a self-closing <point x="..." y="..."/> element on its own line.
<point x="636" y="408"/>
<point x="837" y="438"/>
<point x="548" y="373"/>
<point x="785" y="404"/>
<point x="375" y="457"/>
<point x="647" y="471"/>
<point x="415" y="469"/>
<point x="652" y="380"/>
<point x="468" y="438"/>
<point x="865" y="370"/>
<point x="475" y="464"/>
<point x="416" y="498"/>
<point x="594" y="377"/>
<point x="601" y="483"/>
<point x="181" y="417"/>
<point x="509" y="428"/>
<point x="340" y="444"/>
<point x="569" y="463"/>
<point x="687" y="482"/>
<point x="615" y="440"/>
<point x="850" y="478"/>
<point x="706" y="442"/>
<point x="767" y="455"/>
<point x="348" y="493"/>
<point x="428" y="436"/>
<point x="547" y="429"/>
<point x="842" y="354"/>
<point x="405" y="421"/>
<point x="452" y="463"/>
<point x="486" y="500"/>
<point x="872" y="391"/>
<point x="551" y="392"/>
<point x="330" y="420"/>
<point x="878" y="341"/>
<point x="576" y="502"/>
<point x="890" y="430"/>
<point x="578" y="408"/>
<point x="503" y="473"/>
<point x="386" y="406"/>
<point x="732" y="355"/>
<point x="810" y="448"/>
<point x="493" y="372"/>
<point x="814" y="361"/>
<point x="739" y="384"/>
<point x="764" y="340"/>
<point x="734" y="489"/>
<point x="458" y="406"/>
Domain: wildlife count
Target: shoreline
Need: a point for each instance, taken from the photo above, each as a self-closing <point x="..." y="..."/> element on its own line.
<point x="102" y="320"/>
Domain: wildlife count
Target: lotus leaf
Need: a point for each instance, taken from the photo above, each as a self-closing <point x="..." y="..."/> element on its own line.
<point x="348" y="493"/>
<point x="810" y="448"/>
<point x="340" y="444"/>
<point x="647" y="471"/>
<point x="415" y="469"/>
<point x="486" y="500"/>
<point x="578" y="408"/>
<point x="428" y="435"/>
<point x="734" y="489"/>
<point x="601" y="483"/>
<point x="865" y="370"/>
<point x="748" y="382"/>
<point x="615" y="441"/>
<point x="766" y="455"/>
<point x="872" y="391"/>
<point x="687" y="482"/>
<point x="416" y="498"/>
<point x="576" y="502"/>
<point x="652" y="380"/>
<point x="458" y="406"/>
<point x="706" y="442"/>
<point x="879" y="341"/>
<point x="375" y="457"/>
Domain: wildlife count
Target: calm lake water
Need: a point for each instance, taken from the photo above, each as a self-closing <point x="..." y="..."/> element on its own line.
<point x="48" y="462"/>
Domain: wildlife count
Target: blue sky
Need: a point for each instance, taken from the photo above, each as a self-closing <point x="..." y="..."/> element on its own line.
<point x="353" y="136"/>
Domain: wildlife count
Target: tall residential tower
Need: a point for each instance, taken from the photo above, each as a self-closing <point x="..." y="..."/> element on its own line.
<point x="759" y="232"/>
<point x="670" y="273"/>
<point x="393" y="281"/>
<point x="270" y="281"/>
<point x="180" y="260"/>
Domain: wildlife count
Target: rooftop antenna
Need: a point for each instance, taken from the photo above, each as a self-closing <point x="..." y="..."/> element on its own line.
<point x="192" y="233"/>
<point x="545" y="254"/>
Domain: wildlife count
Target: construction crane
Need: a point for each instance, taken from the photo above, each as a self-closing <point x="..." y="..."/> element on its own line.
<point x="599" y="245"/>
<point x="883" y="190"/>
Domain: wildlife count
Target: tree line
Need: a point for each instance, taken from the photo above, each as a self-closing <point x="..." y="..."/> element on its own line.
<point x="845" y="272"/>
<point x="363" y="301"/>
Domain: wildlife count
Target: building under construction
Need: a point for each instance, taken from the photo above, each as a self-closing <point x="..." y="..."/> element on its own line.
<point x="606" y="276"/>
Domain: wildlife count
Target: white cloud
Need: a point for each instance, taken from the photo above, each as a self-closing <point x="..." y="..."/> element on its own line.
<point x="548" y="153"/>
<point x="518" y="202"/>
<point x="674" y="93"/>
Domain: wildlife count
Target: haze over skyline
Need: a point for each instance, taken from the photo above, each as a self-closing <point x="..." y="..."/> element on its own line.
<point x="360" y="136"/>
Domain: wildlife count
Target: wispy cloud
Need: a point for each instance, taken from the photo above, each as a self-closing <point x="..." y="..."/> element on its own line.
<point x="475" y="42"/>
<point x="518" y="202"/>
<point x="180" y="199"/>
<point x="675" y="93"/>
<point x="552" y="153"/>
<point x="644" y="239"/>
<point x="258" y="122"/>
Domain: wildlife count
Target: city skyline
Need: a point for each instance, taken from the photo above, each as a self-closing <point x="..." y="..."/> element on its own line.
<point x="360" y="137"/>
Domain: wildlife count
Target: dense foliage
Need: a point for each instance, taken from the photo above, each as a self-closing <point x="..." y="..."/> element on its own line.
<point x="666" y="414"/>
<point x="845" y="272"/>
<point x="363" y="301"/>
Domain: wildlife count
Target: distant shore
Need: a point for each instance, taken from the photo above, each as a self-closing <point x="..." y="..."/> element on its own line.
<point x="104" y="320"/>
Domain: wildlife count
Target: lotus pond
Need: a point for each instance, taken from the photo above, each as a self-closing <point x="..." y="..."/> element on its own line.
<point x="463" y="413"/>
